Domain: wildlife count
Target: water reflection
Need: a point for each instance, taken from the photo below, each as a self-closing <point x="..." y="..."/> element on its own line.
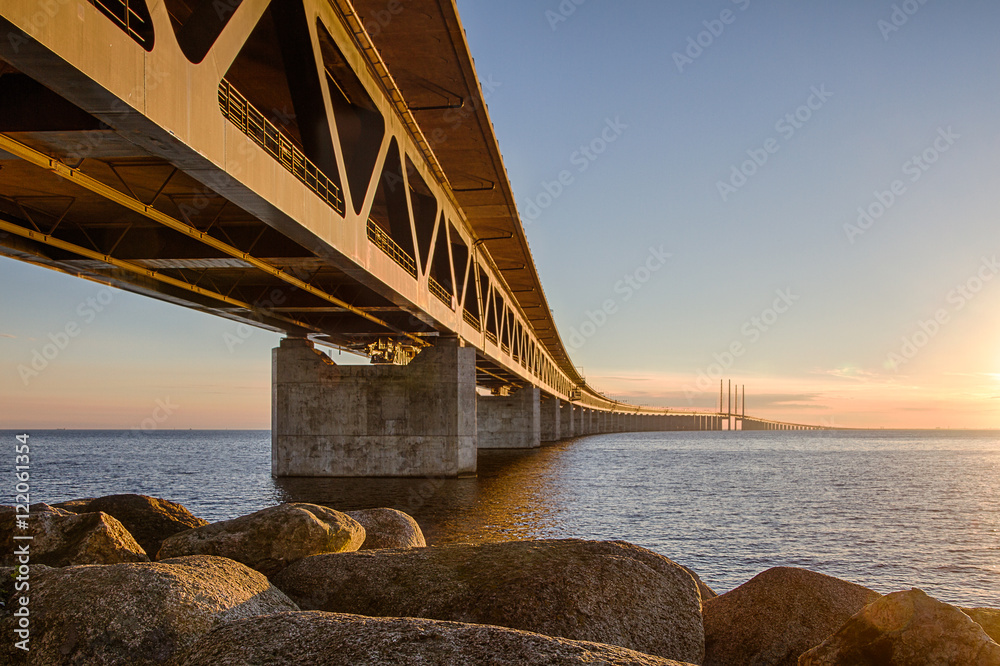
<point x="516" y="495"/>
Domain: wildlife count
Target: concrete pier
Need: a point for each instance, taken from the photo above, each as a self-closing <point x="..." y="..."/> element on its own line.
<point x="509" y="421"/>
<point x="550" y="419"/>
<point x="567" y="417"/>
<point x="378" y="420"/>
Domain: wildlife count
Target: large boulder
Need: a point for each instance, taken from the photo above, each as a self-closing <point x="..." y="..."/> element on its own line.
<point x="388" y="528"/>
<point x="270" y="539"/>
<point x="906" y="629"/>
<point x="61" y="538"/>
<point x="601" y="591"/>
<point x="777" y="615"/>
<point x="333" y="639"/>
<point x="706" y="592"/>
<point x="149" y="519"/>
<point x="136" y="614"/>
<point x="988" y="619"/>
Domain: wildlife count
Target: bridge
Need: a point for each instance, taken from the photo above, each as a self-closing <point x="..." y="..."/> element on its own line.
<point x="322" y="168"/>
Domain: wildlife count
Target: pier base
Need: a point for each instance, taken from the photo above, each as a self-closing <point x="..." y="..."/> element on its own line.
<point x="568" y="414"/>
<point x="372" y="421"/>
<point x="551" y="423"/>
<point x="509" y="421"/>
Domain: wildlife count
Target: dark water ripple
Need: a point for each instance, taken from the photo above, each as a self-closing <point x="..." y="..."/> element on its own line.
<point x="887" y="509"/>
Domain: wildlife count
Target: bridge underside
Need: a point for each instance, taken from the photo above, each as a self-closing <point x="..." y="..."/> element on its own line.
<point x="271" y="162"/>
<point x="123" y="216"/>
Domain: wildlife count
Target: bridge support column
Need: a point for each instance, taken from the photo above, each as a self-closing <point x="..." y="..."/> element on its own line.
<point x="371" y="421"/>
<point x="509" y="421"/>
<point x="550" y="419"/>
<point x="568" y="415"/>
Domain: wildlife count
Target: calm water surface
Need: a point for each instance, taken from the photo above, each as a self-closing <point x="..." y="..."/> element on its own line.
<point x="887" y="509"/>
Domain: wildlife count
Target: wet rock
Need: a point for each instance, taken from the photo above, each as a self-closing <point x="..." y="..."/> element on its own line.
<point x="606" y="592"/>
<point x="136" y="614"/>
<point x="333" y="639"/>
<point x="906" y="629"/>
<point x="61" y="538"/>
<point x="149" y="519"/>
<point x="388" y="528"/>
<point x="271" y="539"/>
<point x="777" y="615"/>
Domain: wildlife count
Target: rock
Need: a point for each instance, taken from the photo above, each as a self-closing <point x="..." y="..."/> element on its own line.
<point x="388" y="528"/>
<point x="76" y="505"/>
<point x="706" y="592"/>
<point x="601" y="591"/>
<point x="138" y="613"/>
<point x="271" y="539"/>
<point x="332" y="639"/>
<point x="777" y="615"/>
<point x="988" y="619"/>
<point x="904" y="629"/>
<point x="62" y="538"/>
<point x="149" y="519"/>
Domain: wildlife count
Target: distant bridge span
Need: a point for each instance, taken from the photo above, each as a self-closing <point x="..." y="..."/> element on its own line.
<point x="276" y="163"/>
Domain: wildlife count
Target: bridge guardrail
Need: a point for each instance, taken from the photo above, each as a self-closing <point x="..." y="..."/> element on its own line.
<point x="439" y="291"/>
<point x="261" y="131"/>
<point x="384" y="242"/>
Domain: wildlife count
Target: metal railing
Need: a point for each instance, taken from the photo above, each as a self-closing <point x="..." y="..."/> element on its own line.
<point x="492" y="337"/>
<point x="122" y="13"/>
<point x="470" y="319"/>
<point x="439" y="291"/>
<point x="384" y="242"/>
<point x="252" y="122"/>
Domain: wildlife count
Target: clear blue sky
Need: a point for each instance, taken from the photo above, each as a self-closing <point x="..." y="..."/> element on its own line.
<point x="676" y="120"/>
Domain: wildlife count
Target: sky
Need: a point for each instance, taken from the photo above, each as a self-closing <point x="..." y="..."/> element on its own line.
<point x="800" y="197"/>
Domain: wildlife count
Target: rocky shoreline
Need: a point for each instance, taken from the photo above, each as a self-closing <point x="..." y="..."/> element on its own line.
<point x="136" y="580"/>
